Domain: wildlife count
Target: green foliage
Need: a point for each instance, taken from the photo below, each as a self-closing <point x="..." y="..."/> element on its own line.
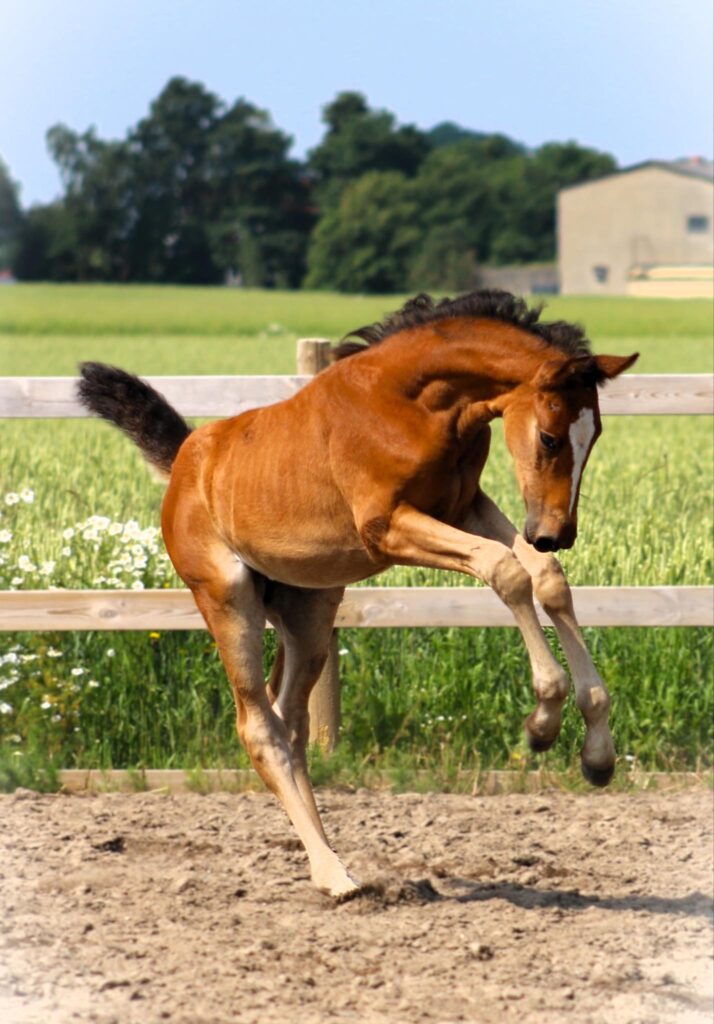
<point x="368" y="241"/>
<point x="434" y="699"/>
<point x="199" y="192"/>
<point x="10" y="216"/>
<point x="194" y="191"/>
<point x="358" y="141"/>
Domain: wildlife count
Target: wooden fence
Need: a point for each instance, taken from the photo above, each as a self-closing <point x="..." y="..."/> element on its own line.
<point x="53" y="397"/>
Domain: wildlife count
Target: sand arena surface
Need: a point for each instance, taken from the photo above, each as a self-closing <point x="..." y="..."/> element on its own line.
<point x="537" y="908"/>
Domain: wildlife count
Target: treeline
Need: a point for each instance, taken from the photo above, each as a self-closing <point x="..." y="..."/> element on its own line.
<point x="200" y="192"/>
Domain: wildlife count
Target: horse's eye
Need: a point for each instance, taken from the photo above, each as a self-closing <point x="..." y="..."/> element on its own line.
<point x="548" y="441"/>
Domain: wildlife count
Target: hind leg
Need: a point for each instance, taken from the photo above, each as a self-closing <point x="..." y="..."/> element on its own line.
<point x="304" y="620"/>
<point x="229" y="597"/>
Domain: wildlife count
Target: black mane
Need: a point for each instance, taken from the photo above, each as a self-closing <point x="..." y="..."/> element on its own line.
<point x="491" y="303"/>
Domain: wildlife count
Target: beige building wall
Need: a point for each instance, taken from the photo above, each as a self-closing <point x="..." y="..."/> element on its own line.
<point x="607" y="229"/>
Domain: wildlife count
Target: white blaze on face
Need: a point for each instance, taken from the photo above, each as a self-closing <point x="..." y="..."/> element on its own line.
<point x="581" y="435"/>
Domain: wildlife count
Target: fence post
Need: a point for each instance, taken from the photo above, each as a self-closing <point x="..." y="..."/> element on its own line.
<point x="313" y="355"/>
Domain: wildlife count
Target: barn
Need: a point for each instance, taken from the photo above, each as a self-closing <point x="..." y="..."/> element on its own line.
<point x="646" y="230"/>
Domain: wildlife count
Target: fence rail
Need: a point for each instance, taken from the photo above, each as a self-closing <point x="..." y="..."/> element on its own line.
<point x="211" y="397"/>
<point x="47" y="397"/>
<point x="366" y="607"/>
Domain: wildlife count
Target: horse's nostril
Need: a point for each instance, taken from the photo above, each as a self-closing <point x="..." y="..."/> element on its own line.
<point x="546" y="544"/>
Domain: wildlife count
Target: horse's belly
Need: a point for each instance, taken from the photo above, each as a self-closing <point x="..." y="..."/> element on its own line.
<point x="316" y="573"/>
<point x="310" y="545"/>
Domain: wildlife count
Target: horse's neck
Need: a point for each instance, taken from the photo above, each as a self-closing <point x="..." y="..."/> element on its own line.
<point x="484" y="361"/>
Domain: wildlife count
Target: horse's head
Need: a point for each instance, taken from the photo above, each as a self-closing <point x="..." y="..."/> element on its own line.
<point x="551" y="426"/>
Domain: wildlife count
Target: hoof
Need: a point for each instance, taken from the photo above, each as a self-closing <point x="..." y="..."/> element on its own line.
<point x="598" y="776"/>
<point x="338" y="884"/>
<point x="538" y="744"/>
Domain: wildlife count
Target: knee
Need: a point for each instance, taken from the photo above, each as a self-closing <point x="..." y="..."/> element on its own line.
<point x="550" y="585"/>
<point x="510" y="580"/>
<point x="554" y="687"/>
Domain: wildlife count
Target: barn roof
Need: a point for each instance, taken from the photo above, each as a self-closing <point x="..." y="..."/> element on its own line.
<point x="691" y="167"/>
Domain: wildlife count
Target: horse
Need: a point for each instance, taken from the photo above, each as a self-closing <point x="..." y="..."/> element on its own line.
<point x="377" y="462"/>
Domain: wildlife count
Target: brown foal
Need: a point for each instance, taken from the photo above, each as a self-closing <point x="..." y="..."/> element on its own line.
<point x="377" y="462"/>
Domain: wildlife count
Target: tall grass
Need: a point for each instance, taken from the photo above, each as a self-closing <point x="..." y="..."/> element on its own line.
<point x="427" y="698"/>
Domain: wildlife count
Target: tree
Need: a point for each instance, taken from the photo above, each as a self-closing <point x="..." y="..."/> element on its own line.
<point x="527" y="189"/>
<point x="359" y="140"/>
<point x="260" y="211"/>
<point x="46" y="245"/>
<point x="444" y="260"/>
<point x="457" y="196"/>
<point x="10" y="216"/>
<point x="168" y="150"/>
<point x="98" y="201"/>
<point x="368" y="241"/>
<point x="496" y="200"/>
<point x="194" y="191"/>
<point x="446" y="133"/>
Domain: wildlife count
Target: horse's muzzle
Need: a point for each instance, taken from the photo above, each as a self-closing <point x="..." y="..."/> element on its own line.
<point x="549" y="536"/>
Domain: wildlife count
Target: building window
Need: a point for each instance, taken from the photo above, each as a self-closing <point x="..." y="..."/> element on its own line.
<point x="601" y="274"/>
<point x="697" y="224"/>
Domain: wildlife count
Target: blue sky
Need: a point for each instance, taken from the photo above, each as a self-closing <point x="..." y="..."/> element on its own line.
<point x="633" y="77"/>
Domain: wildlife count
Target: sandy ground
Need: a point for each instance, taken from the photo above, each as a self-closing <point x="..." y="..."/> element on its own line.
<point x="550" y="907"/>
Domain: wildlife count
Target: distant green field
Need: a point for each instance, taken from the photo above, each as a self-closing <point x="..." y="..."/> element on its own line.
<point x="216" y="330"/>
<point x="440" y="699"/>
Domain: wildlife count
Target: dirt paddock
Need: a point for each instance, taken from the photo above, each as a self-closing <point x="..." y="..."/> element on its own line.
<point x="150" y="907"/>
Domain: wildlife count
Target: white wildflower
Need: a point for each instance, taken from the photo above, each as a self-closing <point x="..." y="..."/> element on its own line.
<point x="99" y="522"/>
<point x="27" y="495"/>
<point x="137" y="585"/>
<point x="93" y="684"/>
<point x="90" y="534"/>
<point x="115" y="529"/>
<point x="47" y="568"/>
<point x="11" y="498"/>
<point x="68" y="534"/>
<point x="25" y="563"/>
<point x="66" y="551"/>
<point x="9" y="659"/>
<point x="28" y="657"/>
<point x="5" y="536"/>
<point x="110" y="652"/>
<point x="5" y="709"/>
<point x="77" y="672"/>
<point x="131" y="530"/>
<point x="52" y="652"/>
<point x="46" y="704"/>
<point x="16" y="581"/>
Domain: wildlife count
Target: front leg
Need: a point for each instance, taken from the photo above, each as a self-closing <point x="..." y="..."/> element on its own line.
<point x="552" y="590"/>
<point x="408" y="537"/>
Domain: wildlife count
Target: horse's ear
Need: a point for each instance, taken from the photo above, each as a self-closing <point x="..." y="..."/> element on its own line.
<point x="587" y="370"/>
<point x="613" y="366"/>
<point x="556" y="374"/>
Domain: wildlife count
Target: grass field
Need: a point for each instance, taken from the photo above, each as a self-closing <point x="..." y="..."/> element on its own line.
<point x="78" y="509"/>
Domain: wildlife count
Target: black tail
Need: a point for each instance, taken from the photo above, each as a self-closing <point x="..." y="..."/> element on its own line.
<point x="133" y="406"/>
